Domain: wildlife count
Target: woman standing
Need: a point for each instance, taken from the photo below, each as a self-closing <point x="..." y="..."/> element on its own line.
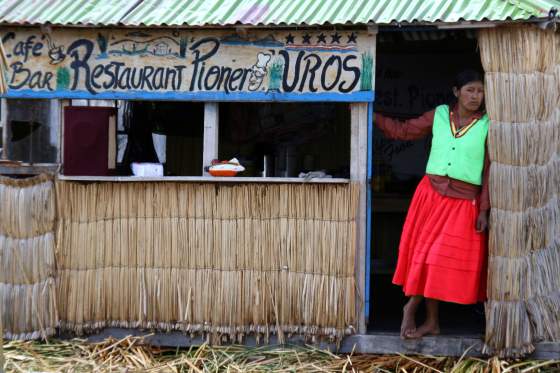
<point x="442" y="253"/>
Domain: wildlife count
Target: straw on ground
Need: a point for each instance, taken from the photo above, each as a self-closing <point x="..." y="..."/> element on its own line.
<point x="132" y="354"/>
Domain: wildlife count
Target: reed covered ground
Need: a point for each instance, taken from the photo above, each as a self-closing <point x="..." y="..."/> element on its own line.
<point x="131" y="354"/>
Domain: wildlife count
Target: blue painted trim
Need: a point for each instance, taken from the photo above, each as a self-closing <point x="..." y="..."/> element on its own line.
<point x="369" y="209"/>
<point x="361" y="96"/>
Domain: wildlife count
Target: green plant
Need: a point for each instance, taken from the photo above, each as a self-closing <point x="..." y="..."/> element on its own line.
<point x="367" y="70"/>
<point x="62" y="78"/>
<point x="275" y="75"/>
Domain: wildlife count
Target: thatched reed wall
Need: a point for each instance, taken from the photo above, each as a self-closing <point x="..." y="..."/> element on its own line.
<point x="27" y="268"/>
<point x="522" y="97"/>
<point x="206" y="258"/>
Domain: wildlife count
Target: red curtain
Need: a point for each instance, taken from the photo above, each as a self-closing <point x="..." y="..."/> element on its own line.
<point x="86" y="140"/>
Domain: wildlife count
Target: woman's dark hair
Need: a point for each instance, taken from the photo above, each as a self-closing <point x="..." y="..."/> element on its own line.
<point x="465" y="77"/>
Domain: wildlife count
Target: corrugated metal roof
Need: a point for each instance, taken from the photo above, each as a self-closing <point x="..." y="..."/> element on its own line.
<point x="265" y="12"/>
<point x="318" y="12"/>
<point x="64" y="12"/>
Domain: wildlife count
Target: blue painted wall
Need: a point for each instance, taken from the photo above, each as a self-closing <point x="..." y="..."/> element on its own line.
<point x="362" y="96"/>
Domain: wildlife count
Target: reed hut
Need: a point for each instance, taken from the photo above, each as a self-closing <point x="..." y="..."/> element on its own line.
<point x="301" y="242"/>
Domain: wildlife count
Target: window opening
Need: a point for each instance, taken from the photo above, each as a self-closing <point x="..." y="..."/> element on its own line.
<point x="287" y="139"/>
<point x="31" y="135"/>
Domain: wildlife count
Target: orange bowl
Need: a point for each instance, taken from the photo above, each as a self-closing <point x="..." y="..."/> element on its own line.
<point x="222" y="172"/>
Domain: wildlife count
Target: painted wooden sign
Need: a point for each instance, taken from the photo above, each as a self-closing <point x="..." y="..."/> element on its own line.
<point x="187" y="64"/>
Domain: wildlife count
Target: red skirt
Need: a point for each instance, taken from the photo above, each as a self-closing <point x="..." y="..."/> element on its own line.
<point x="441" y="256"/>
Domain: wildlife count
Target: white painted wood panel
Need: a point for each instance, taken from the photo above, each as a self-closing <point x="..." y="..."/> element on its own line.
<point x="358" y="174"/>
<point x="211" y="131"/>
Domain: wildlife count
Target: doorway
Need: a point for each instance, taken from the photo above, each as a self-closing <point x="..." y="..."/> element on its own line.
<point x="415" y="71"/>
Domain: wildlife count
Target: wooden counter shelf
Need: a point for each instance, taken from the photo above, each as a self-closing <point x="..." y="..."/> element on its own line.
<point x="206" y="179"/>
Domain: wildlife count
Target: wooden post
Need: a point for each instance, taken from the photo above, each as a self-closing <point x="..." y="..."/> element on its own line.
<point x="2" y="360"/>
<point x="112" y="157"/>
<point x="358" y="173"/>
<point x="62" y="105"/>
<point x="55" y="125"/>
<point x="210" y="141"/>
<point x="120" y="130"/>
<point x="5" y="129"/>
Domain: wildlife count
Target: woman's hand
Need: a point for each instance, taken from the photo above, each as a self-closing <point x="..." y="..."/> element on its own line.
<point x="482" y="221"/>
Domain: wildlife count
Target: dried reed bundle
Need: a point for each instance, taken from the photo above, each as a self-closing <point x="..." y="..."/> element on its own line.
<point x="525" y="304"/>
<point x="29" y="311"/>
<point x="27" y="261"/>
<point x="522" y="98"/>
<point x="519" y="188"/>
<point x="545" y="314"/>
<point x="518" y="49"/>
<point x="517" y="234"/>
<point x="536" y="275"/>
<point x="27" y="267"/>
<point x="524" y="322"/>
<point x="523" y="93"/>
<point x="515" y="333"/>
<point x="27" y="207"/>
<point x="525" y="143"/>
<point x="208" y="258"/>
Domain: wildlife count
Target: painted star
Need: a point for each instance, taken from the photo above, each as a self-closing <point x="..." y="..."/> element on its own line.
<point x="352" y="38"/>
<point x="335" y="38"/>
<point x="306" y="39"/>
<point x="290" y="39"/>
<point x="321" y="39"/>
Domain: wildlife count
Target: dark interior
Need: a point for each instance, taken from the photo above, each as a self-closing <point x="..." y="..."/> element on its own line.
<point x="414" y="73"/>
<point x="182" y="123"/>
<point x="290" y="138"/>
<point x="30" y="138"/>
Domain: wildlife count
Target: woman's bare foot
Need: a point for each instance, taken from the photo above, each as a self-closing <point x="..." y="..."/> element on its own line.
<point x="428" y="328"/>
<point x="408" y="324"/>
